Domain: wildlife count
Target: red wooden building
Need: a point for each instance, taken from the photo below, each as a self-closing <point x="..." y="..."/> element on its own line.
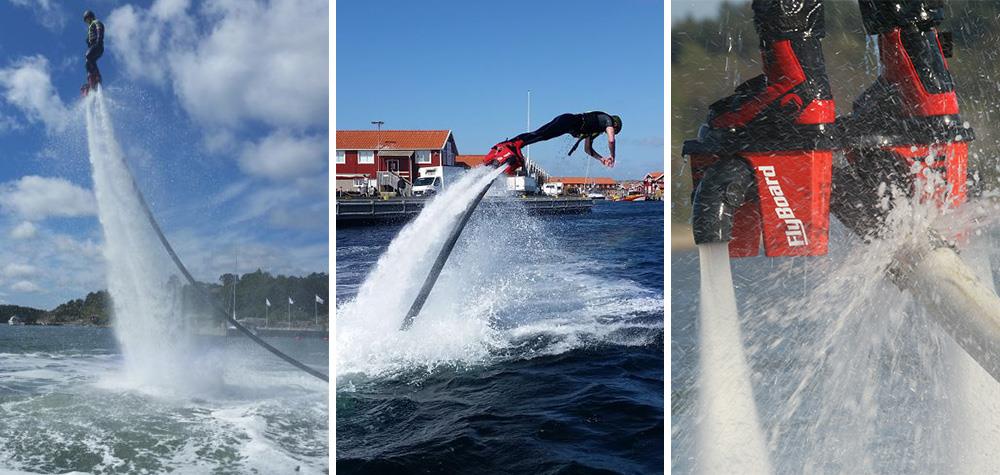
<point x="652" y="184"/>
<point x="366" y="157"/>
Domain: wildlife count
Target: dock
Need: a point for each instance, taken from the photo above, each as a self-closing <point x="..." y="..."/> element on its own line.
<point x="374" y="211"/>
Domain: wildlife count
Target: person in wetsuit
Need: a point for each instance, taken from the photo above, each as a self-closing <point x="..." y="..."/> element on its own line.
<point x="95" y="48"/>
<point x="584" y="127"/>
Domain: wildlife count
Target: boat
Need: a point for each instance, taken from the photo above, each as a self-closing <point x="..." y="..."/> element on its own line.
<point x="596" y="196"/>
<point x="634" y="197"/>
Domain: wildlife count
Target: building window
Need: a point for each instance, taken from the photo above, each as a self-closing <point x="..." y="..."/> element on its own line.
<point x="423" y="156"/>
<point x="366" y="157"/>
<point x="341" y="156"/>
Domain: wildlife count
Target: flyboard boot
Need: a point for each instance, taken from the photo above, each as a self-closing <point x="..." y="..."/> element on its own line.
<point x="905" y="130"/>
<point x="506" y="154"/>
<point x="93" y="80"/>
<point x="761" y="164"/>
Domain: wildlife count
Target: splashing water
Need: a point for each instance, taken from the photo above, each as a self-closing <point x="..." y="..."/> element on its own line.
<point x="155" y="345"/>
<point x="729" y="436"/>
<point x="851" y="374"/>
<point x="508" y="290"/>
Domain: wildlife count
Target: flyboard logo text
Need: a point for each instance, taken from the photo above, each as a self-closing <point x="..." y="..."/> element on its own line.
<point x="795" y="231"/>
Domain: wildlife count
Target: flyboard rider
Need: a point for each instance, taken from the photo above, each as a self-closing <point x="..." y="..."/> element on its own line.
<point x="95" y="49"/>
<point x="584" y="127"/>
<point x="762" y="163"/>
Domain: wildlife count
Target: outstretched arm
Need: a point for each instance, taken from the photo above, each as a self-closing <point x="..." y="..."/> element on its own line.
<point x="611" y="142"/>
<point x="588" y="146"/>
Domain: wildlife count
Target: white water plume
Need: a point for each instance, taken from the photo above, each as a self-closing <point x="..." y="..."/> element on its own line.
<point x="508" y="289"/>
<point x="729" y="438"/>
<point x="146" y="317"/>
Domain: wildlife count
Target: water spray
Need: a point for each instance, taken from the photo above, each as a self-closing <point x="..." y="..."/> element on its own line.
<point x="98" y="101"/>
<point x="443" y="255"/>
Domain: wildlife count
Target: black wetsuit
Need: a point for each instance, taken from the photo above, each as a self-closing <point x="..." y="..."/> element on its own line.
<point x="95" y="45"/>
<point x="588" y="124"/>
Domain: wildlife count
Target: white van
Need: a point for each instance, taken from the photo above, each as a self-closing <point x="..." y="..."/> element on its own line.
<point x="553" y="188"/>
<point x="433" y="179"/>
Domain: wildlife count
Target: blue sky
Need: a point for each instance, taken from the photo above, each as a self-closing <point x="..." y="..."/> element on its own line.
<point x="221" y="108"/>
<point x="467" y="66"/>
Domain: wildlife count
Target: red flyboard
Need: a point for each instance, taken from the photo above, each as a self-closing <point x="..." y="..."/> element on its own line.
<point x="794" y="192"/>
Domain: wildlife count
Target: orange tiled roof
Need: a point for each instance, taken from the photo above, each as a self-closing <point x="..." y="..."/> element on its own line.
<point x="392" y="139"/>
<point x="579" y="180"/>
<point x="655" y="175"/>
<point x="470" y="161"/>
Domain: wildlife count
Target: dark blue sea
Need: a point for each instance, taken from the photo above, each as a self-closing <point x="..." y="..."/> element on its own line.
<point x="542" y="351"/>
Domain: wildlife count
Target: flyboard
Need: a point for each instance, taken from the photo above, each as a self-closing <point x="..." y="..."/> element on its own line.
<point x="194" y="284"/>
<point x="442" y="258"/>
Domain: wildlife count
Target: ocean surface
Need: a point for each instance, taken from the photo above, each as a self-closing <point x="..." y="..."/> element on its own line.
<point x="65" y="406"/>
<point x="565" y="376"/>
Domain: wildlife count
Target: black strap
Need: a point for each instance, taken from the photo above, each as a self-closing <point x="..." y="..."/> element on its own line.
<point x="577" y="144"/>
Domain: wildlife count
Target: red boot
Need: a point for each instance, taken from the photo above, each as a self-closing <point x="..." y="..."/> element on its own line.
<point x="507" y="154"/>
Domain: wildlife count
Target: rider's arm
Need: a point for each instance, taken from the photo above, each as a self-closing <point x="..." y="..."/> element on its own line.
<point x="588" y="146"/>
<point x="611" y="141"/>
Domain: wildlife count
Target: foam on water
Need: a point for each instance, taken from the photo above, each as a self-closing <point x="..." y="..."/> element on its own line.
<point x="508" y="290"/>
<point x="155" y="343"/>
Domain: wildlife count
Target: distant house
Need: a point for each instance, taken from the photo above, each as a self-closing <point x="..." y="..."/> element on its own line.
<point x="382" y="159"/>
<point x="585" y="183"/>
<point x="469" y="161"/>
<point x="652" y="185"/>
<point x="16" y="320"/>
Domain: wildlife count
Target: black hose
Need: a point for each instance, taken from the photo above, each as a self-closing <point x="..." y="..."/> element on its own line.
<point x="204" y="296"/>
<point x="441" y="260"/>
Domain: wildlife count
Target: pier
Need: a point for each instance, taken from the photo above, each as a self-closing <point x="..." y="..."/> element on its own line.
<point x="374" y="211"/>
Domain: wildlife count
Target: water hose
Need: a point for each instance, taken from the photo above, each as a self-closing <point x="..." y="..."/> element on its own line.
<point x="442" y="258"/>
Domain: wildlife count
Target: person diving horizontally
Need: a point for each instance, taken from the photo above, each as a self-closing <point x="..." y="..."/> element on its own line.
<point x="95" y="48"/>
<point x="584" y="127"/>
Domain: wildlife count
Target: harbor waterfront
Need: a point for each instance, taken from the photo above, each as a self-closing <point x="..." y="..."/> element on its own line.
<point x="358" y="211"/>
<point x="567" y="376"/>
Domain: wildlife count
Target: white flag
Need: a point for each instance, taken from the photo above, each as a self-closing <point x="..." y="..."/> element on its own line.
<point x="267" y="302"/>
<point x="319" y="300"/>
<point x="290" y="301"/>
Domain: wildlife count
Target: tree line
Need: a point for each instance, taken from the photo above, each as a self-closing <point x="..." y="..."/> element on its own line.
<point x="253" y="291"/>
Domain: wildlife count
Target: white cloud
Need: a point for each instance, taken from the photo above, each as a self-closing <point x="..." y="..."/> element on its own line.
<point x="35" y="197"/>
<point x="24" y="230"/>
<point x="46" y="12"/>
<point x="282" y="156"/>
<point x="25" y="286"/>
<point x="264" y="61"/>
<point x="19" y="270"/>
<point x="26" y="84"/>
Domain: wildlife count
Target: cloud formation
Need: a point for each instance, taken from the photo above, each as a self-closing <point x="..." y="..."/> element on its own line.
<point x="26" y="85"/>
<point x="23" y="230"/>
<point x="34" y="197"/>
<point x="282" y="156"/>
<point x="25" y="286"/>
<point x="46" y="12"/>
<point x="236" y="62"/>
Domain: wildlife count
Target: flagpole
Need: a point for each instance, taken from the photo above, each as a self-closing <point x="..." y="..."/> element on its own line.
<point x="265" y="313"/>
<point x="289" y="313"/>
